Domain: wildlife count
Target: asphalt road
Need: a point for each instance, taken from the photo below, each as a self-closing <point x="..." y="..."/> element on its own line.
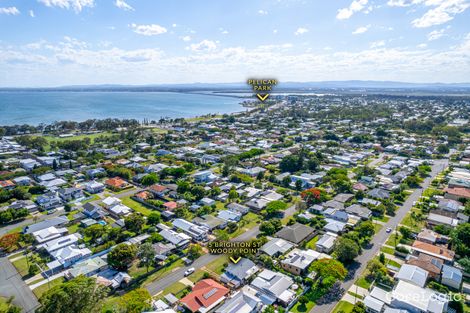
<point x="159" y="285"/>
<point x="382" y="236"/>
<point x="11" y="285"/>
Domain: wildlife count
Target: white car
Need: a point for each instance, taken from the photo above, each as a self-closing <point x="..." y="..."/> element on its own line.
<point x="189" y="271"/>
<point x="389" y="230"/>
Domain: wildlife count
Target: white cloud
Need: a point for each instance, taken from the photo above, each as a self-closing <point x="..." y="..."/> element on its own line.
<point x="31" y="13"/>
<point x="377" y="44"/>
<point x="174" y="25"/>
<point x="399" y="3"/>
<point x="436" y="34"/>
<point x="275" y="31"/>
<point x="422" y="45"/>
<point x="443" y="12"/>
<point x="148" y="30"/>
<point x="355" y="6"/>
<point x="9" y="11"/>
<point x="76" y="5"/>
<point x="361" y="30"/>
<point x="186" y="38"/>
<point x="262" y="12"/>
<point x="123" y="5"/>
<point x="203" y="46"/>
<point x="300" y="31"/>
<point x="223" y="31"/>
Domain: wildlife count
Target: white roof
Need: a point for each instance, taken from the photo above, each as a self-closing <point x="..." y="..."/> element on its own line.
<point x="120" y="209"/>
<point x="109" y="201"/>
<point x="423" y="299"/>
<point x="48" y="233"/>
<point x="412" y="274"/>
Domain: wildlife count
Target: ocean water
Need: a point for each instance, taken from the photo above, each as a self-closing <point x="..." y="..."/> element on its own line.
<point x="31" y="107"/>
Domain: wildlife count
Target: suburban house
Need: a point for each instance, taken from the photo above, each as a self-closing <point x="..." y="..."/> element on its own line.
<point x="69" y="194"/>
<point x="451" y="277"/>
<point x="326" y="242"/>
<point x="49" y="233"/>
<point x="196" y="232"/>
<point x="55" y="221"/>
<point x="88" y="267"/>
<point x="94" y="187"/>
<point x="116" y="183"/>
<point x="241" y="302"/>
<point x="237" y="274"/>
<point x="276" y="247"/>
<point x="273" y="287"/>
<point x="296" y="233"/>
<point x="180" y="240"/>
<point x="205" y="295"/>
<point x="298" y="261"/>
<point x="442" y="253"/>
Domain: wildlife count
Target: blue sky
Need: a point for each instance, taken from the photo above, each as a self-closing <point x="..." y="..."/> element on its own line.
<point x="67" y="42"/>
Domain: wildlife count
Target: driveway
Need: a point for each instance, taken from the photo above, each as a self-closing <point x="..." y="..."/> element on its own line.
<point x="382" y="236"/>
<point x="11" y="285"/>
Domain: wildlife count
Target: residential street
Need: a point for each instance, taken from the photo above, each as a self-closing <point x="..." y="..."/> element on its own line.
<point x="382" y="236"/>
<point x="158" y="285"/>
<point x="11" y="284"/>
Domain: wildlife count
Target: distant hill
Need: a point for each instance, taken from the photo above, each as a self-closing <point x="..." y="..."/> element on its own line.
<point x="352" y="85"/>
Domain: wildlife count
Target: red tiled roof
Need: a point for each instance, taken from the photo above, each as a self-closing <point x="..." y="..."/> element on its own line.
<point x="458" y="191"/>
<point x="143" y="195"/>
<point x="158" y="188"/>
<point x="205" y="293"/>
<point x="115" y="182"/>
<point x="433" y="250"/>
<point x="170" y="205"/>
<point x="6" y="183"/>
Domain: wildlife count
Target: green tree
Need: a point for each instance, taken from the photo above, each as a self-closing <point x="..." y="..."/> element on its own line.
<point x="78" y="295"/>
<point x="150" y="179"/>
<point x="194" y="251"/>
<point x="346" y="249"/>
<point x="122" y="256"/>
<point x="136" y="301"/>
<point x="275" y="207"/>
<point x="329" y="268"/>
<point x="461" y="239"/>
<point x="232" y="194"/>
<point x="154" y="218"/>
<point x="146" y="254"/>
<point x="134" y="222"/>
<point x="366" y="230"/>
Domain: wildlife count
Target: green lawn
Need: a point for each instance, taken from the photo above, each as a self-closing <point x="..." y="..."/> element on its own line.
<point x="21" y="266"/>
<point x="78" y="137"/>
<point x="92" y="198"/>
<point x="248" y="221"/>
<point x="217" y="266"/>
<point x="312" y="242"/>
<point x="135" y="270"/>
<point x="196" y="276"/>
<point x="4" y="305"/>
<point x="343" y="306"/>
<point x="136" y="206"/>
<point x="362" y="282"/>
<point x="39" y="291"/>
<point x="175" y="289"/>
<point x="415" y="225"/>
<point x="387" y="250"/>
<point x="74" y="228"/>
<point x="391" y="240"/>
<point x="377" y="227"/>
<point x="299" y="308"/>
<point x="393" y="263"/>
<point x="384" y="218"/>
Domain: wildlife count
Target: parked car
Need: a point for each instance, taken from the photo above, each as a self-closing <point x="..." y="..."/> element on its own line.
<point x="189" y="271"/>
